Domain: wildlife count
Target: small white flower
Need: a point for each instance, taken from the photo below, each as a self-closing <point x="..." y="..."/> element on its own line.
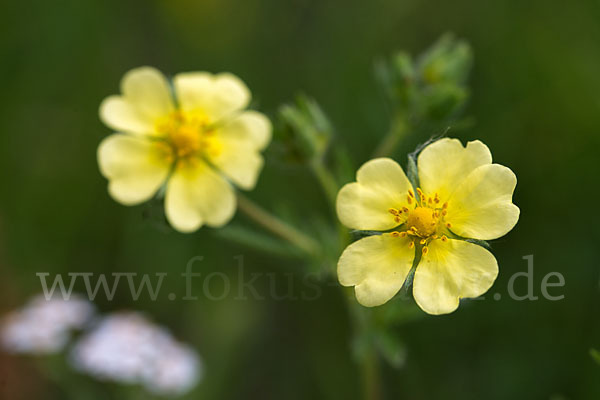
<point x="44" y="326"/>
<point x="177" y="370"/>
<point x="127" y="348"/>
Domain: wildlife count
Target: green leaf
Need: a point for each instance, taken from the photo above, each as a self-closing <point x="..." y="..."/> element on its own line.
<point x="305" y="129"/>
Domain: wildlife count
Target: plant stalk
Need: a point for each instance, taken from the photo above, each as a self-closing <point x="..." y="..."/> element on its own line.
<point x="276" y="226"/>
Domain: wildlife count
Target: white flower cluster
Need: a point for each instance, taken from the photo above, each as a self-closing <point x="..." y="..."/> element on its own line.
<point x="125" y="347"/>
<point x="44" y="326"/>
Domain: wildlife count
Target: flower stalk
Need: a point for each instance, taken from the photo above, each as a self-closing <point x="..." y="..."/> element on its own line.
<point x="276" y="226"/>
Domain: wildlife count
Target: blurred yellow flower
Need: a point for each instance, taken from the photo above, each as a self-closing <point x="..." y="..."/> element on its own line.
<point x="461" y="194"/>
<point x="195" y="137"/>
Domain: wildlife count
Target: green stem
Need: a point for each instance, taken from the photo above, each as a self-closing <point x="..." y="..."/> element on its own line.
<point x="371" y="378"/>
<point x="390" y="141"/>
<point x="327" y="181"/>
<point x="367" y="356"/>
<point x="277" y="226"/>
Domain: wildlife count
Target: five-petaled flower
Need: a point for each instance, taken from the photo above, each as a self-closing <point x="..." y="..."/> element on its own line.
<point x="196" y="138"/>
<point x="461" y="194"/>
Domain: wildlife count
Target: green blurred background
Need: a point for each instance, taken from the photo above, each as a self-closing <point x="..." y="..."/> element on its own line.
<point x="535" y="102"/>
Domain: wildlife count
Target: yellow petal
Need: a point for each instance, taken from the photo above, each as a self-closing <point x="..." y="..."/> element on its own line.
<point x="445" y="163"/>
<point x="197" y="195"/>
<point x="145" y="98"/>
<point x="239" y="142"/>
<point x="250" y="127"/>
<point x="380" y="185"/>
<point x="121" y="116"/>
<point x="135" y="167"/>
<point x="376" y="266"/>
<point x="215" y="95"/>
<point x="450" y="271"/>
<point x="481" y="206"/>
<point x="238" y="162"/>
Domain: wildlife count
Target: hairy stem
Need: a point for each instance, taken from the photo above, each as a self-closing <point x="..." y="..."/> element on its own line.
<point x="276" y="225"/>
<point x="327" y="181"/>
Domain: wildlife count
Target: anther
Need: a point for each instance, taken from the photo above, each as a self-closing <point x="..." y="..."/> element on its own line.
<point x="410" y="193"/>
<point x="445" y="205"/>
<point x="411" y="245"/>
<point x="449" y="225"/>
<point x="423" y="241"/>
<point x="393" y="211"/>
<point x="409" y="199"/>
<point x="395" y="234"/>
<point x="444" y="238"/>
<point x="425" y="250"/>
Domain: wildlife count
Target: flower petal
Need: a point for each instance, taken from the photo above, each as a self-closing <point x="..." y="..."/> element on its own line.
<point x="445" y="163"/>
<point x="121" y="116"/>
<point x="216" y="95"/>
<point x="381" y="185"/>
<point x="481" y="206"/>
<point x="238" y="162"/>
<point x="239" y="143"/>
<point x="377" y="267"/>
<point x="250" y="127"/>
<point x="450" y="271"/>
<point x="135" y="167"/>
<point x="197" y="195"/>
<point x="147" y="89"/>
<point x="145" y="98"/>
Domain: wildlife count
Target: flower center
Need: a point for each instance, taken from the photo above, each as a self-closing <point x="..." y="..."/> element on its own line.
<point x="188" y="133"/>
<point x="423" y="221"/>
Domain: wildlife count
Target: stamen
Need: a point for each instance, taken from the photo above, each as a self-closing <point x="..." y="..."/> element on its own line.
<point x="449" y="225"/>
<point x="425" y="250"/>
<point x="445" y="205"/>
<point x="393" y="211"/>
<point x="410" y="193"/>
<point x="411" y="245"/>
<point x="409" y="199"/>
<point x="423" y="241"/>
<point x="395" y="234"/>
<point x="444" y="238"/>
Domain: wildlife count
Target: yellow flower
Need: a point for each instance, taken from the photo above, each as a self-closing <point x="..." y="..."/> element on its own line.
<point x="461" y="194"/>
<point x="196" y="137"/>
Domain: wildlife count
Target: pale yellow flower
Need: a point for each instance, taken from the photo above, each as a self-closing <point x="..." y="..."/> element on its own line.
<point x="194" y="136"/>
<point x="461" y="194"/>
